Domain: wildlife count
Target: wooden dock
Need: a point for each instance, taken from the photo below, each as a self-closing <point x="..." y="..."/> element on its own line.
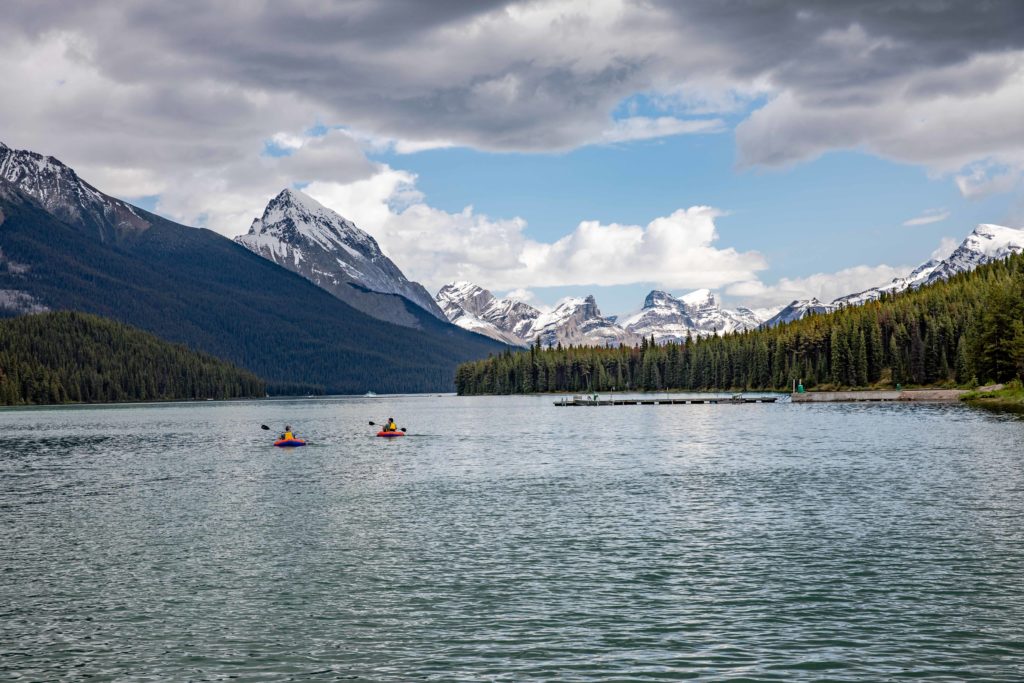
<point x="584" y="401"/>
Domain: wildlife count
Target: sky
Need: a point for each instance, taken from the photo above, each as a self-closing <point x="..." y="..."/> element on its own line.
<point x="768" y="151"/>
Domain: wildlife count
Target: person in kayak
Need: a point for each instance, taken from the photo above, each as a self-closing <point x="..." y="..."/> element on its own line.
<point x="390" y="425"/>
<point x="288" y="436"/>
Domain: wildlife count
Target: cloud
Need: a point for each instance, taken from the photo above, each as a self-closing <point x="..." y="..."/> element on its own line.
<point x="227" y="197"/>
<point x="182" y="100"/>
<point x="947" y="245"/>
<point x="927" y="217"/>
<point x="528" y="297"/>
<point x="928" y="127"/>
<point x="930" y="83"/>
<point x="983" y="179"/>
<point x="646" y="128"/>
<point x="437" y="246"/>
<point x="198" y="145"/>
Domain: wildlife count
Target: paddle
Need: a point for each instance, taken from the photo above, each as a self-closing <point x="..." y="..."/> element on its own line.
<point x="374" y="424"/>
<point x="265" y="427"/>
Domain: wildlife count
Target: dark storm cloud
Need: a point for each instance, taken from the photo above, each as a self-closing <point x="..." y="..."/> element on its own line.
<point x="199" y="81"/>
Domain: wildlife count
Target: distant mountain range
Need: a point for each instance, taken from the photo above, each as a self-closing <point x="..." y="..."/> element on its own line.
<point x="306" y="298"/>
<point x="64" y="245"/>
<point x="579" y="321"/>
<point x="697" y="314"/>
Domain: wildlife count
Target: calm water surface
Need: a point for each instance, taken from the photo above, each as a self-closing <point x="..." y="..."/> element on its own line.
<point x="506" y="539"/>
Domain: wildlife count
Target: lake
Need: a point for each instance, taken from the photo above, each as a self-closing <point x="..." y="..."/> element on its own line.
<point x="507" y="539"/>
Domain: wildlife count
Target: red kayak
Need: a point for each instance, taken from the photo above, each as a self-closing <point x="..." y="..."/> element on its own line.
<point x="289" y="443"/>
<point x="390" y="434"/>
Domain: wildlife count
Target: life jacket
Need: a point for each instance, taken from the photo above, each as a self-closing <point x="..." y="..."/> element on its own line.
<point x="392" y="427"/>
<point x="288" y="436"/>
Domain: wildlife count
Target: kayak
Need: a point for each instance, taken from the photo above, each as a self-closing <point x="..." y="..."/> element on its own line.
<point x="390" y="434"/>
<point x="289" y="443"/>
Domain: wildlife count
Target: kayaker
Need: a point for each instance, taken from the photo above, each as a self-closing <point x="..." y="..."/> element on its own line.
<point x="390" y="425"/>
<point x="288" y="436"/>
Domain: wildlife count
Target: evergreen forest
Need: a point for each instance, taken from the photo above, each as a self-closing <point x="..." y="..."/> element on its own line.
<point x="76" y="357"/>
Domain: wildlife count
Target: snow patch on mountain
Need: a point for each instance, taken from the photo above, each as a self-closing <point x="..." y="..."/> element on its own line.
<point x="797" y="310"/>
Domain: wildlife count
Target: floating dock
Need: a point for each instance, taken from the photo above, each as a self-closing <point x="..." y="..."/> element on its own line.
<point x="930" y="395"/>
<point x="584" y="401"/>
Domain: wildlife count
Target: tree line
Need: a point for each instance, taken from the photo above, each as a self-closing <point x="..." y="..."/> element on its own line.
<point x="76" y="357"/>
<point x="959" y="332"/>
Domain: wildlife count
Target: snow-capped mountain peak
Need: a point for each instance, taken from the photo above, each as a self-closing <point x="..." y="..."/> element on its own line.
<point x="61" y="192"/>
<point x="299" y="233"/>
<point x="986" y="243"/>
<point x="292" y="217"/>
<point x="995" y="241"/>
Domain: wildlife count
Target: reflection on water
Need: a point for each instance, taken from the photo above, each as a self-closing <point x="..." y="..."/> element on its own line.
<point x="508" y="539"/>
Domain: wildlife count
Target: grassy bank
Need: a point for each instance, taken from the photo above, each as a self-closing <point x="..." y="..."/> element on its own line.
<point x="1008" y="397"/>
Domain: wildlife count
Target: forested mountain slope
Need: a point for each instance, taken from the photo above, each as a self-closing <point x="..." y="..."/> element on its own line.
<point x="76" y="357"/>
<point x="967" y="329"/>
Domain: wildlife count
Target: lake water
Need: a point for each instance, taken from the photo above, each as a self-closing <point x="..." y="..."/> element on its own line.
<point x="507" y="539"/>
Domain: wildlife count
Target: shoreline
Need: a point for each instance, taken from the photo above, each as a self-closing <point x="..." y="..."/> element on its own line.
<point x="998" y="397"/>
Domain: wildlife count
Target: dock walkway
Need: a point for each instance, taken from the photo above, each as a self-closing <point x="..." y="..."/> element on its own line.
<point x="583" y="401"/>
<point x="877" y="396"/>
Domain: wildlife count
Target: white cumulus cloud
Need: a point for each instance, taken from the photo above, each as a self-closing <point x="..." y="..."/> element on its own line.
<point x="436" y="246"/>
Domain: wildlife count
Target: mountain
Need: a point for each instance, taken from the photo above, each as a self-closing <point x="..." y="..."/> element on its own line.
<point x="798" y="310"/>
<point x="697" y="314"/>
<point x="985" y="244"/>
<point x="62" y="193"/>
<point x="302" y="235"/>
<point x="573" y="321"/>
<point x="65" y="245"/>
<point x="476" y="309"/>
<point x="578" y="321"/>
